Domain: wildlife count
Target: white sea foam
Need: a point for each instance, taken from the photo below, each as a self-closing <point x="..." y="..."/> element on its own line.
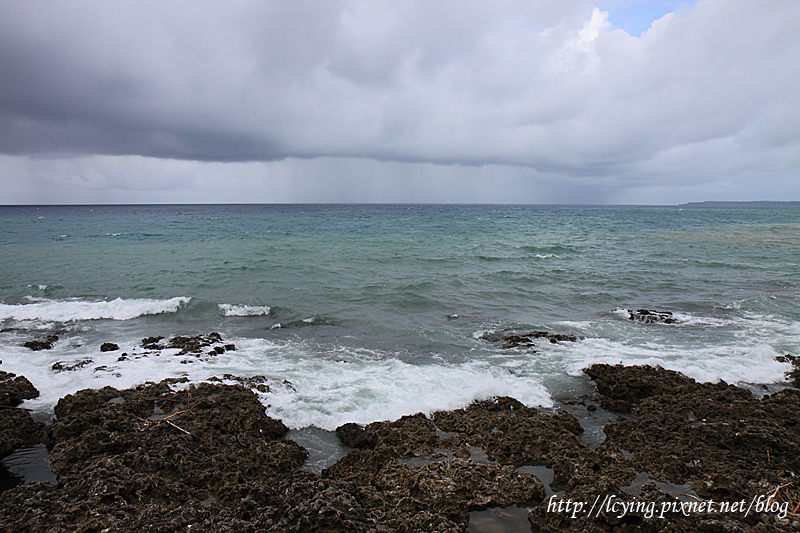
<point x="734" y="364"/>
<point x="363" y="391"/>
<point x="335" y="384"/>
<point x="244" y="310"/>
<point x="325" y="391"/>
<point x="74" y="309"/>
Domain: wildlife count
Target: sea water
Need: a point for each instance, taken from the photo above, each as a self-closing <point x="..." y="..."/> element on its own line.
<point x="357" y="313"/>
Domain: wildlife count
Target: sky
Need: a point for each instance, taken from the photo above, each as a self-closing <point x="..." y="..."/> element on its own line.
<point x="468" y="101"/>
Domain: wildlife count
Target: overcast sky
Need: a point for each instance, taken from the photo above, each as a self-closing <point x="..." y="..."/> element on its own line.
<point x="537" y="101"/>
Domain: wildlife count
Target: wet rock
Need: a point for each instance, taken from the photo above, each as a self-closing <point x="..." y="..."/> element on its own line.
<point x="513" y="434"/>
<point x="794" y="374"/>
<point x="259" y="382"/>
<point x="194" y="344"/>
<point x="715" y="438"/>
<point x="17" y="428"/>
<point x="625" y="385"/>
<point x="647" y="316"/>
<point x="348" y="434"/>
<point x="151" y="458"/>
<point x="109" y="347"/>
<point x="152" y="343"/>
<point x="189" y="345"/>
<point x="147" y="458"/>
<point x="14" y="389"/>
<point x="516" y="339"/>
<point x="42" y="344"/>
<point x="63" y="366"/>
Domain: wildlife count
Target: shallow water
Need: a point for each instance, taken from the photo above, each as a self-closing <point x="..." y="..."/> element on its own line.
<point x="26" y="465"/>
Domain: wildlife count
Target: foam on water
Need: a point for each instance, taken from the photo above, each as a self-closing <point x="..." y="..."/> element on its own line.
<point x="332" y="385"/>
<point x="328" y="394"/>
<point x="75" y="309"/>
<point x="733" y="364"/>
<point x="244" y="310"/>
<point x="325" y="390"/>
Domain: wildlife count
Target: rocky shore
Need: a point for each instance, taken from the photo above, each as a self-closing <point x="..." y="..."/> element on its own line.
<point x="173" y="456"/>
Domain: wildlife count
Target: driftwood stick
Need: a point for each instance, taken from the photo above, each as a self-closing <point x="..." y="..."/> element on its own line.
<point x="10" y="407"/>
<point x="176" y="427"/>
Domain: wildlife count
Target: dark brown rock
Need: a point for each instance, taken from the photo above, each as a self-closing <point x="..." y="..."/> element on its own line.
<point x="42" y="344"/>
<point x="713" y="440"/>
<point x="221" y="464"/>
<point x="793" y="375"/>
<point x="352" y="436"/>
<point x="63" y="366"/>
<point x="516" y="339"/>
<point x="647" y="316"/>
<point x="17" y="428"/>
<point x="152" y="343"/>
<point x="625" y="385"/>
<point x="14" y="389"/>
<point x="109" y="347"/>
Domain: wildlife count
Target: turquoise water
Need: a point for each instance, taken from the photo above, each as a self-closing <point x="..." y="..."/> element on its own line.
<point x="375" y="311"/>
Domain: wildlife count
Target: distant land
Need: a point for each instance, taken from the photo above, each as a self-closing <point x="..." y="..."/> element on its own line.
<point x="759" y="203"/>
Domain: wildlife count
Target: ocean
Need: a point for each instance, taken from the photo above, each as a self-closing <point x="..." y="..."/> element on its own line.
<point x="358" y="313"/>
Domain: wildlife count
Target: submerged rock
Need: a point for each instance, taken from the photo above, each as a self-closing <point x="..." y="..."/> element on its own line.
<point x="62" y="366"/>
<point x="191" y="345"/>
<point x="647" y="316"/>
<point x="516" y="339"/>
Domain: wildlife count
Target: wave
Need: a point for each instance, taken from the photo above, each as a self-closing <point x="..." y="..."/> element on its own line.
<point x="732" y="364"/>
<point x="75" y="309"/>
<point x="364" y="391"/>
<point x="324" y="388"/>
<point x="244" y="310"/>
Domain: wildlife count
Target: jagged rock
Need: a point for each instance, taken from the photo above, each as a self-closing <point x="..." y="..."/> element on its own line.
<point x="715" y="438"/>
<point x="195" y="344"/>
<point x="353" y="436"/>
<point x="259" y="382"/>
<point x="515" y="339"/>
<point x="152" y="343"/>
<point x="624" y="385"/>
<point x="17" y="428"/>
<point x="223" y="466"/>
<point x="190" y="345"/>
<point x="42" y="344"/>
<point x="61" y="366"/>
<point x="14" y="389"/>
<point x="647" y="316"/>
<point x="794" y="374"/>
<point x="109" y="347"/>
